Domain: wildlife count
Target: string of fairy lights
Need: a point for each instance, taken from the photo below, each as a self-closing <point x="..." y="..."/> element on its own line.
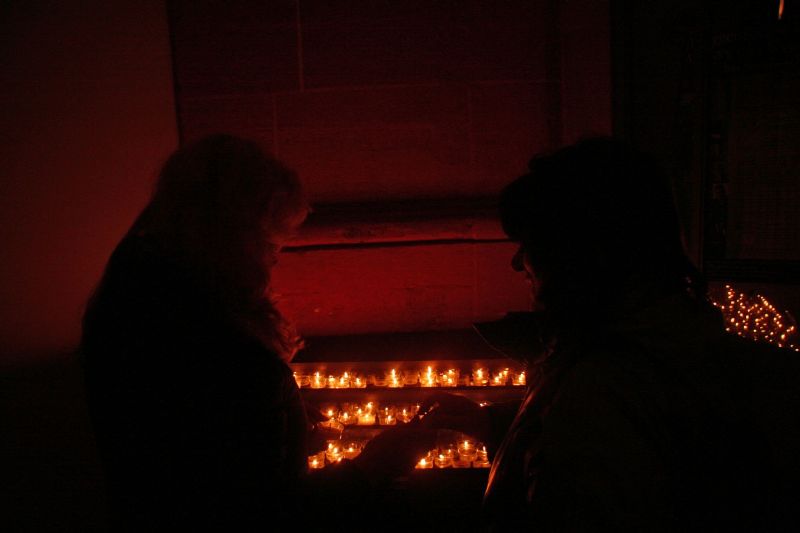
<point x="754" y="317"/>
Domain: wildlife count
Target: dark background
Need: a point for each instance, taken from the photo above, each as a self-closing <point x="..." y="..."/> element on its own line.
<point x="404" y="119"/>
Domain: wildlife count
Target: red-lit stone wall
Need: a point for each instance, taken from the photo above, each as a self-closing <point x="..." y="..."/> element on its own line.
<point x="379" y="105"/>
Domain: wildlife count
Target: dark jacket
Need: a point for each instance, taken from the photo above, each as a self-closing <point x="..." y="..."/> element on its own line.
<point x="650" y="424"/>
<point x="198" y="423"/>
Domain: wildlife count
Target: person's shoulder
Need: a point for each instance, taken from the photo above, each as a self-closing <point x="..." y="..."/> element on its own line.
<point x="610" y="373"/>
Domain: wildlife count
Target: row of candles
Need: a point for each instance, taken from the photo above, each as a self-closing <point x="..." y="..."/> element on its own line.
<point x="464" y="454"/>
<point x="367" y="414"/>
<point x="429" y="377"/>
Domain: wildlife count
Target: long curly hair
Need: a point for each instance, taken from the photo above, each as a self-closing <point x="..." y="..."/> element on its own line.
<point x="219" y="208"/>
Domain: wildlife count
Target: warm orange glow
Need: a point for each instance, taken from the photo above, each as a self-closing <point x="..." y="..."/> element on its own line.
<point x="754" y="317"/>
<point x="780" y="9"/>
<point x="424" y="463"/>
<point x="394" y="378"/>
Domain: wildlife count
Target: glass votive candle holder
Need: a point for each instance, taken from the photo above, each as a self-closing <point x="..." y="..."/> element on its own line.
<point x="316" y="461"/>
<point x="365" y="417"/>
<point x="428" y="378"/>
<point x="343" y="382"/>
<point x="378" y="381"/>
<point x="499" y="379"/>
<point x="425" y="463"/>
<point x="333" y="425"/>
<point x="467" y="450"/>
<point x="332" y="382"/>
<point x="318" y="381"/>
<point x="481" y="454"/>
<point x="449" y="378"/>
<point x="386" y="416"/>
<point x="480" y="377"/>
<point x="350" y="450"/>
<point x="443" y="460"/>
<point x="481" y="463"/>
<point x="329" y="410"/>
<point x="302" y="380"/>
<point x="358" y="382"/>
<point x="346" y="418"/>
<point x="333" y="453"/>
<point x="394" y="379"/>
<point x="519" y="379"/>
<point x="405" y="413"/>
<point x="458" y="462"/>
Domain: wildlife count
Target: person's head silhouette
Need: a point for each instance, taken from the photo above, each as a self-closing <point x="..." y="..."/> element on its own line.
<point x="220" y="212"/>
<point x="598" y="231"/>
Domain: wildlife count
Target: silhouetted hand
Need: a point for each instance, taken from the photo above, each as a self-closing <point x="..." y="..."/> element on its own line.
<point x="443" y="410"/>
<point x="321" y="429"/>
<point x="395" y="452"/>
<point x="318" y="437"/>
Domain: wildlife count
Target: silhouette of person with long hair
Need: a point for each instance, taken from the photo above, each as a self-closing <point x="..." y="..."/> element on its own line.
<point x="637" y="414"/>
<point x="184" y="352"/>
<point x="198" y="419"/>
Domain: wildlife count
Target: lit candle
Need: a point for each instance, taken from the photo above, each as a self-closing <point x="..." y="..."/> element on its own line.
<point x="365" y="417"/>
<point x="481" y="457"/>
<point x="499" y="379"/>
<point x="347" y="419"/>
<point x="334" y="452"/>
<point x="332" y="382"/>
<point x="519" y="379"/>
<point x="480" y="377"/>
<point x="315" y="462"/>
<point x="386" y="417"/>
<point x="428" y="379"/>
<point x="358" y="382"/>
<point x="467" y="451"/>
<point x="449" y="378"/>
<point x="442" y="460"/>
<point x="425" y="463"/>
<point x="394" y="380"/>
<point x="351" y="450"/>
<point x="404" y="414"/>
<point x="318" y="382"/>
<point x="344" y="381"/>
<point x="481" y="453"/>
<point x="330" y="412"/>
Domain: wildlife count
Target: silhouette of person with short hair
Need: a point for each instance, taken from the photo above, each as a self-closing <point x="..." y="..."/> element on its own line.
<point x="637" y="414"/>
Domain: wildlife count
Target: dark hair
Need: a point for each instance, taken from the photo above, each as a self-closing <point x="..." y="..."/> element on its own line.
<point x="597" y="218"/>
<point x="215" y="205"/>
